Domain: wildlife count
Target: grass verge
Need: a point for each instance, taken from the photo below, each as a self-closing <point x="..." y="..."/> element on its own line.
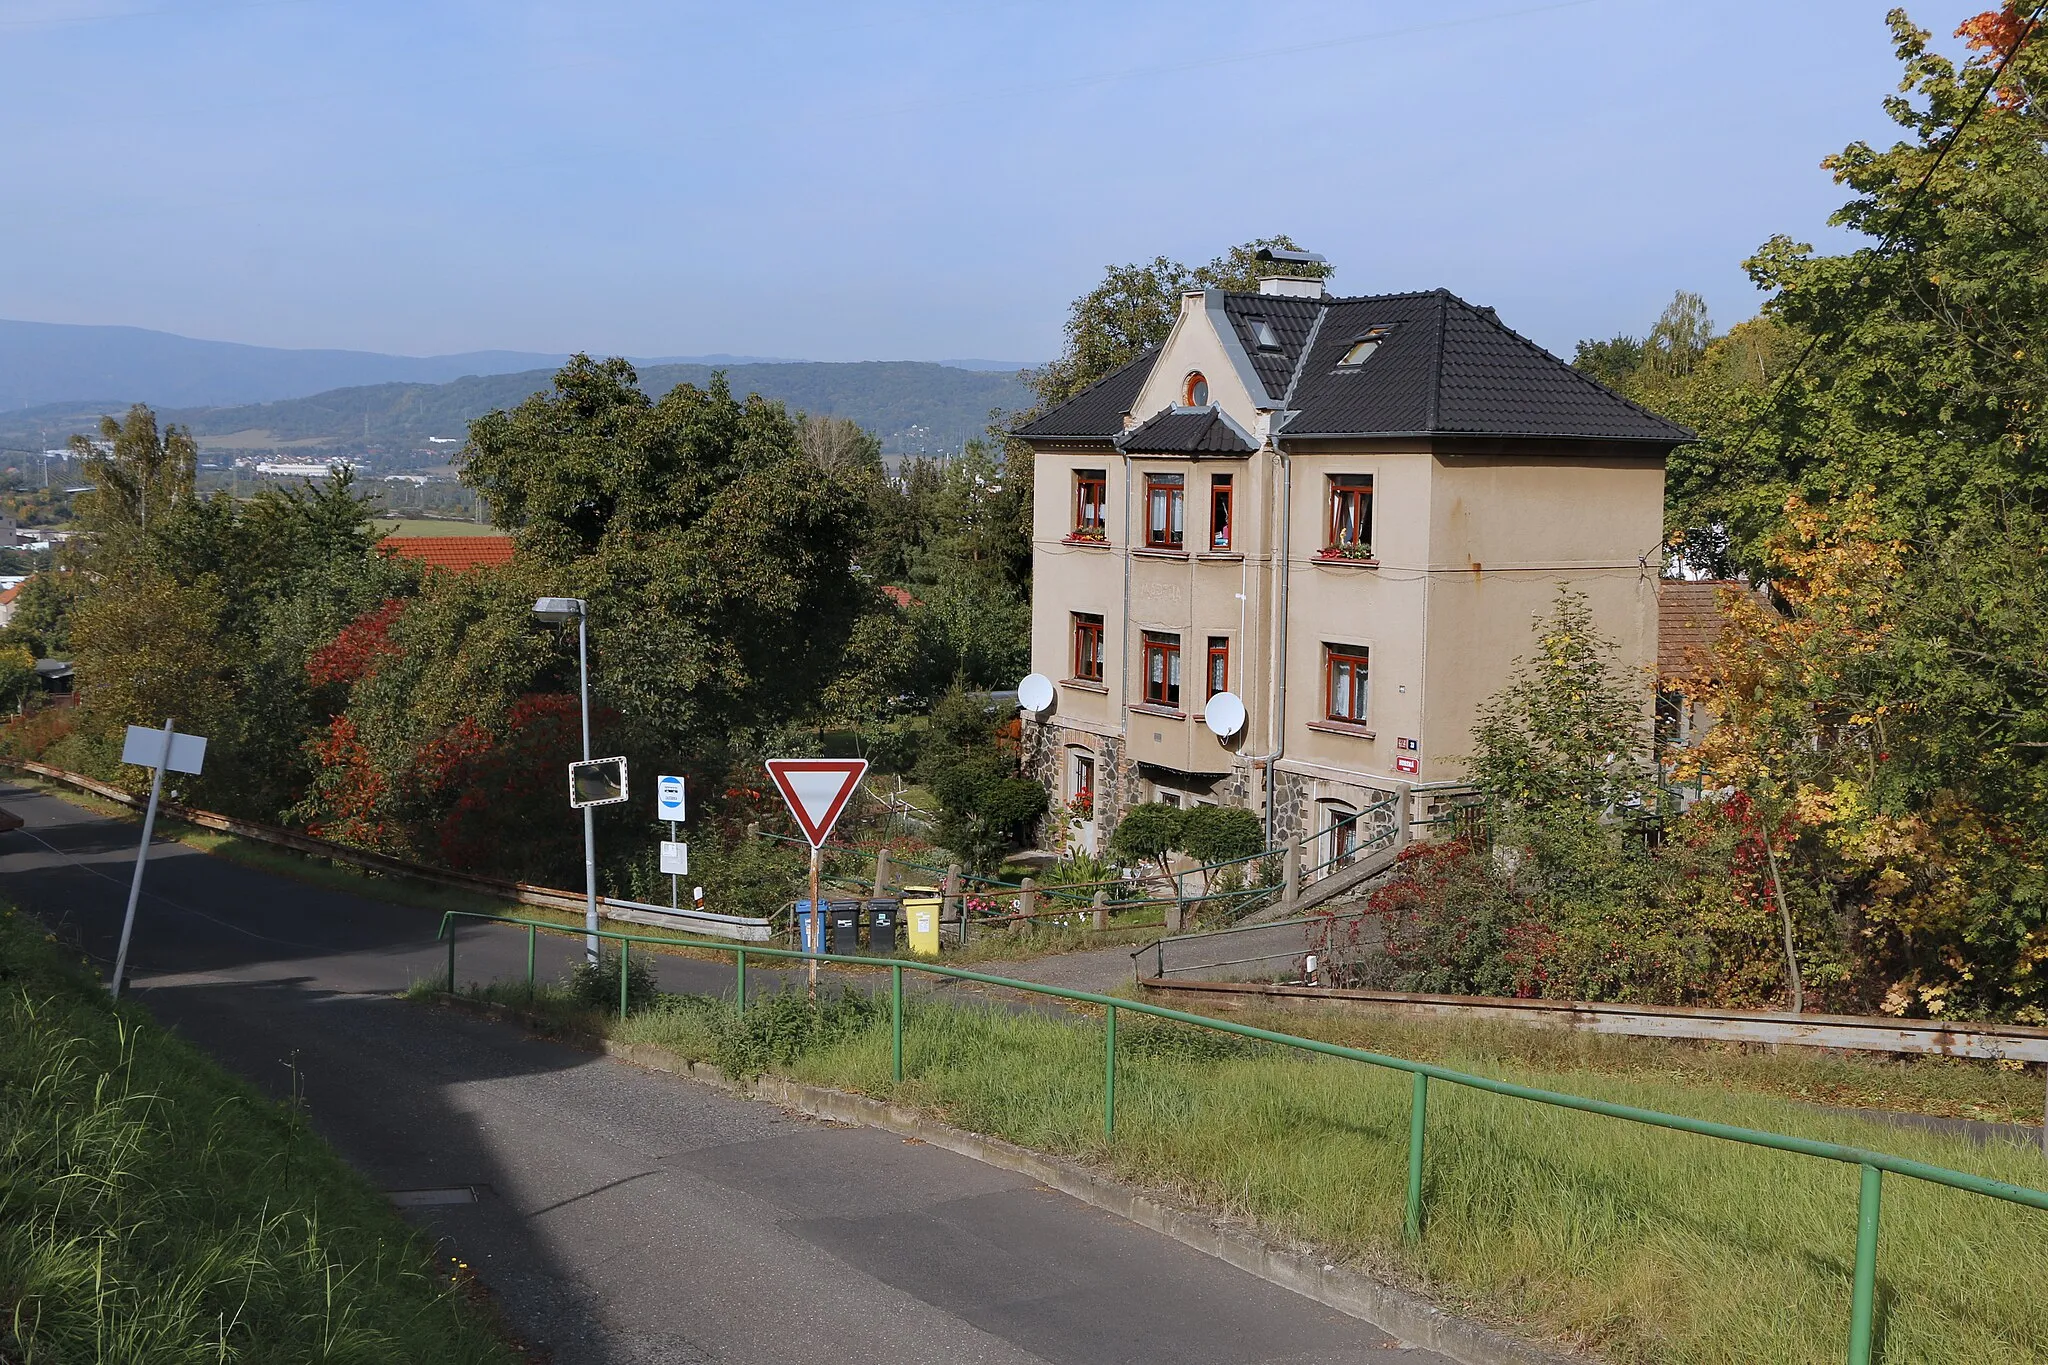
<point x="154" y="1208"/>
<point x="1639" y="1244"/>
<point x="1943" y="1087"/>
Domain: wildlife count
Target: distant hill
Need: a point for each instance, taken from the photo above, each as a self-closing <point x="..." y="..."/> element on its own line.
<point x="46" y="363"/>
<point x="910" y="404"/>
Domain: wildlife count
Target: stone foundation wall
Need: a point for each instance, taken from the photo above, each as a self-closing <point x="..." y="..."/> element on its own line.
<point x="1120" y="783"/>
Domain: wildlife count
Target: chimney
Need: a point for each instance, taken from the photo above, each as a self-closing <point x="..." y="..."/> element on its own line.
<point x="1297" y="286"/>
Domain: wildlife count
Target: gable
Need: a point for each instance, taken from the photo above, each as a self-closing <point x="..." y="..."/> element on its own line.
<point x="1203" y="342"/>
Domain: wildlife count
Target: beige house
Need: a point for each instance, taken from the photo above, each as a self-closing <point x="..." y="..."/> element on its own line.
<point x="1343" y="511"/>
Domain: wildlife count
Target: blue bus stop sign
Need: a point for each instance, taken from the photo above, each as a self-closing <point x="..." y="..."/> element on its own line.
<point x="668" y="798"/>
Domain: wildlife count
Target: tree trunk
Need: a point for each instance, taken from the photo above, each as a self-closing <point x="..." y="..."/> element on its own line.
<point x="1785" y="917"/>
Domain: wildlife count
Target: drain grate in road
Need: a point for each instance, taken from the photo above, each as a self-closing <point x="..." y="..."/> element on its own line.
<point x="421" y="1199"/>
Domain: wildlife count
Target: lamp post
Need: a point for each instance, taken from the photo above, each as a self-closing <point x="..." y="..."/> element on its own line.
<point x="558" y="610"/>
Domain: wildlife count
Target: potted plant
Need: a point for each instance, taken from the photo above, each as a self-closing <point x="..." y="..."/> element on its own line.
<point x="1357" y="551"/>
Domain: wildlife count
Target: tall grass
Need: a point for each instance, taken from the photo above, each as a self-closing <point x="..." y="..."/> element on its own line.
<point x="155" y="1210"/>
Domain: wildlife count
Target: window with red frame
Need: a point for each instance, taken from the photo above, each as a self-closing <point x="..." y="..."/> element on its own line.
<point x="1350" y="514"/>
<point x="1345" y="690"/>
<point x="1087" y="646"/>
<point x="1166" y="511"/>
<point x="1162" y="669"/>
<point x="1219" y="665"/>
<point x="1219" y="511"/>
<point x="1091" y="503"/>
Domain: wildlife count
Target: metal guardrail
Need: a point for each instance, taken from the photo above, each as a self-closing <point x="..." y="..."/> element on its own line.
<point x="1873" y="1165"/>
<point x="1290" y="940"/>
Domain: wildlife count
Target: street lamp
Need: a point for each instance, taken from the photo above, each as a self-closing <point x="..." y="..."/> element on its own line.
<point x="558" y="610"/>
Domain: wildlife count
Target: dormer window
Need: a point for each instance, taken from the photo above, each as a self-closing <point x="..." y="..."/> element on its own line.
<point x="1263" y="335"/>
<point x="1363" y="345"/>
<point x="1194" y="392"/>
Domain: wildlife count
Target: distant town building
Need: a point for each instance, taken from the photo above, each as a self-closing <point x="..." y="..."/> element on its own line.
<point x="303" y="469"/>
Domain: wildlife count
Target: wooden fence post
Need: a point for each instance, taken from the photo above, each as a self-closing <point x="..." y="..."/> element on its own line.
<point x="881" y="872"/>
<point x="1102" y="923"/>
<point x="1027" y="904"/>
<point x="1290" y="874"/>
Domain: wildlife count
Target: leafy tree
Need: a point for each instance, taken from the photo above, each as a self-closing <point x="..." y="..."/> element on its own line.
<point x="1221" y="834"/>
<point x="1134" y="306"/>
<point x="1888" y="722"/>
<point x="24" y="637"/>
<point x="1148" y="832"/>
<point x="1567" y="734"/>
<point x="972" y="573"/>
<point x="1925" y="350"/>
<point x="17" y="674"/>
<point x="146" y="472"/>
<point x="985" y="806"/>
<point x="715" y="553"/>
<point x="1614" y="362"/>
<point x="43" y="607"/>
<point x="841" y="446"/>
<point x="1680" y="338"/>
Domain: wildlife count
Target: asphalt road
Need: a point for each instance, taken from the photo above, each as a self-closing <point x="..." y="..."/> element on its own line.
<point x="623" y="1216"/>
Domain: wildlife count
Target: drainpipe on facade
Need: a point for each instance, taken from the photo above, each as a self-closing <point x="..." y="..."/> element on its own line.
<point x="1123" y="681"/>
<point x="1276" y="636"/>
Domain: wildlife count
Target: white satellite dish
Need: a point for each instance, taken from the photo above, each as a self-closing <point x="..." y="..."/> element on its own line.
<point x="1223" y="714"/>
<point x="1035" y="693"/>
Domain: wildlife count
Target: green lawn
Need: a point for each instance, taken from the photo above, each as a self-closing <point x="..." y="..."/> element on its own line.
<point x="155" y="1209"/>
<point x="1641" y="1244"/>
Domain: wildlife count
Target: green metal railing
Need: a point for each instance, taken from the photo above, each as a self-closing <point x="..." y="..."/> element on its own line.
<point x="1873" y="1165"/>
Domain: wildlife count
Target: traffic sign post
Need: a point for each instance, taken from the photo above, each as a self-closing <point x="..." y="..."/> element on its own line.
<point x="157" y="749"/>
<point x="668" y="805"/>
<point x="817" y="790"/>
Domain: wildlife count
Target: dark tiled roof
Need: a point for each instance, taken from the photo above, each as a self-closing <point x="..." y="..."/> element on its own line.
<point x="1445" y="368"/>
<point x="1185" y="431"/>
<point x="1099" y="409"/>
<point x="1448" y="368"/>
<point x="1292" y="319"/>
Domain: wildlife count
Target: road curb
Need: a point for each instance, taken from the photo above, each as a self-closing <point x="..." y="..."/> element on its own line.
<point x="1413" y="1319"/>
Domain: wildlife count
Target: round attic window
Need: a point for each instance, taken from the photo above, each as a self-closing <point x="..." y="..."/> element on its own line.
<point x="1195" y="392"/>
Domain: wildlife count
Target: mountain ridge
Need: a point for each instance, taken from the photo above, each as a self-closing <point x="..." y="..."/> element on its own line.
<point x="56" y="364"/>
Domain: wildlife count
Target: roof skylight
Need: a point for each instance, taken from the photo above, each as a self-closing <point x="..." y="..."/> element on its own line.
<point x="1263" y="335"/>
<point x="1363" y="345"/>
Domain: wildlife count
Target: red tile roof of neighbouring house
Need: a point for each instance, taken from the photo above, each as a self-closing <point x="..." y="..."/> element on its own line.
<point x="456" y="554"/>
<point x="1690" y="615"/>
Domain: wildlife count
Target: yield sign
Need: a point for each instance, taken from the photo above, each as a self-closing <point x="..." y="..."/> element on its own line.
<point x="817" y="790"/>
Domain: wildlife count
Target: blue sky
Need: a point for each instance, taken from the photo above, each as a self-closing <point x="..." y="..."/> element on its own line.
<point x="896" y="181"/>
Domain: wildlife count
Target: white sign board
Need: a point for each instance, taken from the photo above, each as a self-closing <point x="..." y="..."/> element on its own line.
<point x="145" y="748"/>
<point x="597" y="782"/>
<point x="668" y="799"/>
<point x="675" y="859"/>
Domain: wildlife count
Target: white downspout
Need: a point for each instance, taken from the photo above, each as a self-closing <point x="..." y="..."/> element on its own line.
<point x="1276" y="666"/>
